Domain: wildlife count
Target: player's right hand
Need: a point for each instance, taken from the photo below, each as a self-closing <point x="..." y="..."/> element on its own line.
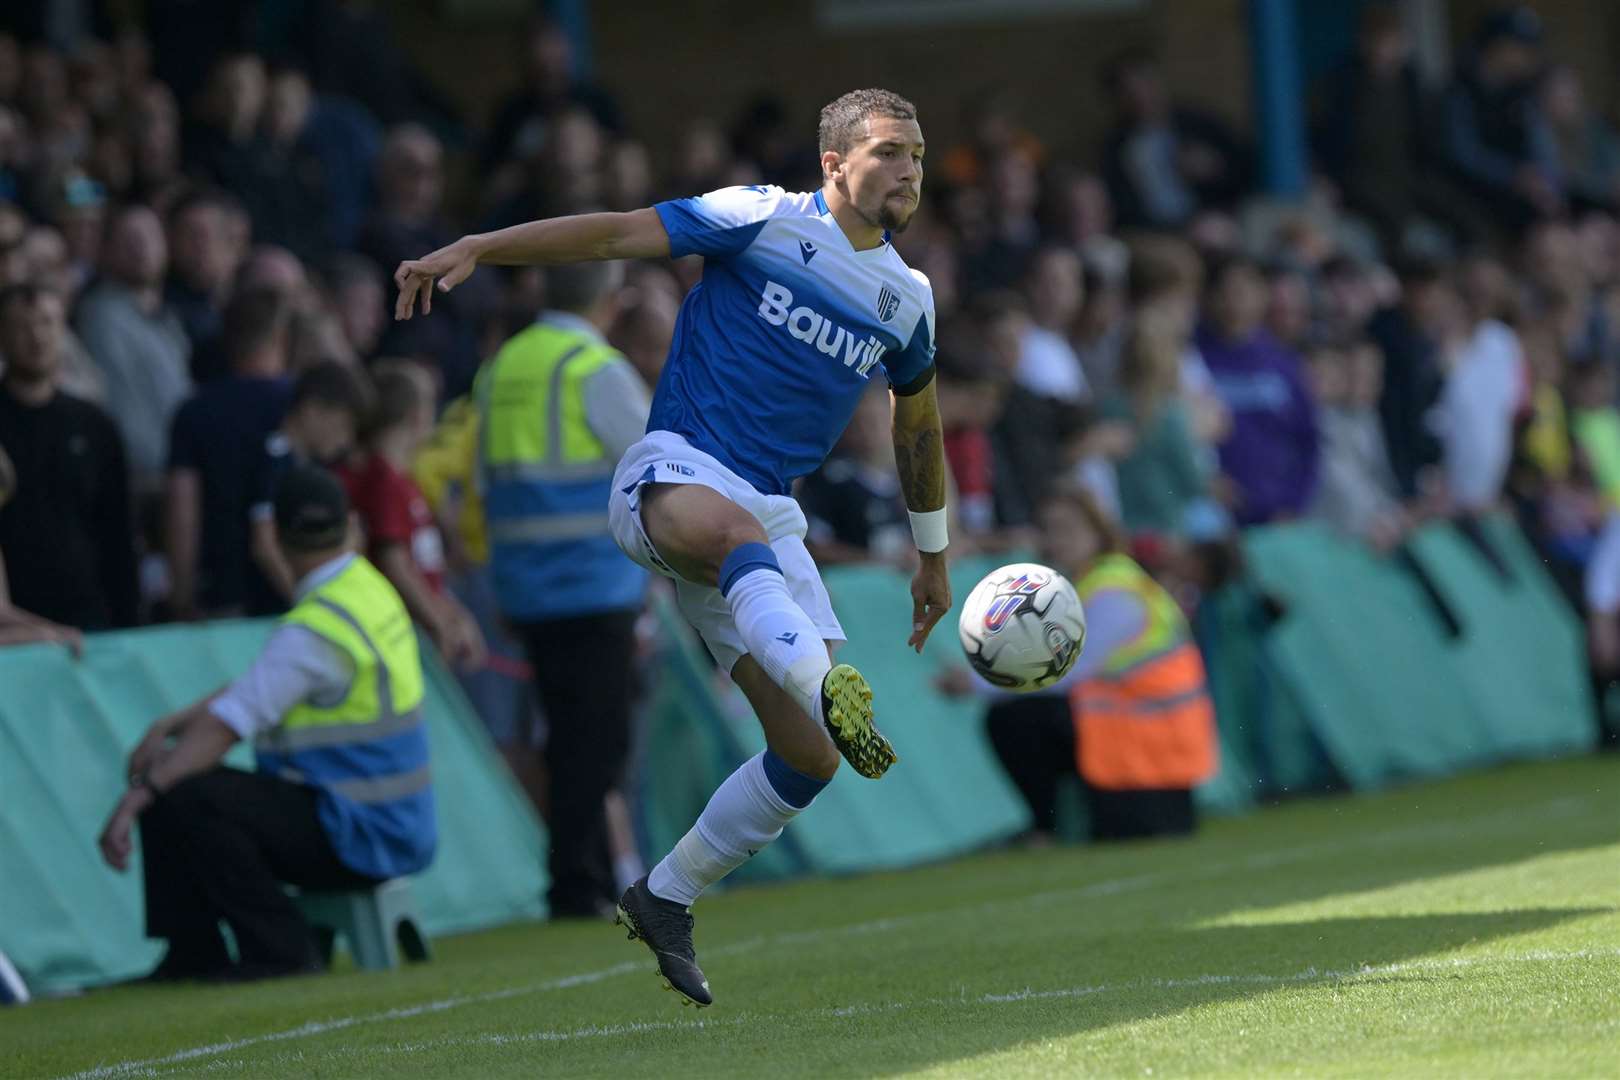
<point x="450" y="265"/>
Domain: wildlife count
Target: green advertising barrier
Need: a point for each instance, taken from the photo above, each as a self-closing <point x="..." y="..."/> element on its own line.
<point x="66" y="728"/>
<point x="1383" y="683"/>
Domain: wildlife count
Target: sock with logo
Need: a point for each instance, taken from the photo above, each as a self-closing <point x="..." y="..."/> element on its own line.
<point x="747" y="812"/>
<point x="777" y="632"/>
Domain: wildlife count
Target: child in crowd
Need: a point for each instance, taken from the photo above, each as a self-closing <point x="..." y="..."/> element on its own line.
<point x="402" y="536"/>
<point x="328" y="401"/>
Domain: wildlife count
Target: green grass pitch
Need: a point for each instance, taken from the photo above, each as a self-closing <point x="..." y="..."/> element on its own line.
<point x="1469" y="928"/>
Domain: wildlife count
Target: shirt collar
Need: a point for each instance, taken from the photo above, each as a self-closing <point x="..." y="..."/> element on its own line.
<point x="323" y="573"/>
<point x="567" y="320"/>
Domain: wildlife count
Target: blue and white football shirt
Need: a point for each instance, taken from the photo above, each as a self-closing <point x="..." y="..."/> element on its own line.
<point x="774" y="347"/>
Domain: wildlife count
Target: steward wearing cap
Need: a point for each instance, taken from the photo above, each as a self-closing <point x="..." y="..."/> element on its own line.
<point x="342" y="797"/>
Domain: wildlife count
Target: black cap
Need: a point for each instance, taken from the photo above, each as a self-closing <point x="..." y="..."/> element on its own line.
<point x="312" y="511"/>
<point x="1519" y="22"/>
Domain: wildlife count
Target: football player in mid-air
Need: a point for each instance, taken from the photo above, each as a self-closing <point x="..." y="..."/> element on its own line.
<point x="803" y="300"/>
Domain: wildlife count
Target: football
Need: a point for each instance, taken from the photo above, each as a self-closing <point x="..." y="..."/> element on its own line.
<point x="1022" y="627"/>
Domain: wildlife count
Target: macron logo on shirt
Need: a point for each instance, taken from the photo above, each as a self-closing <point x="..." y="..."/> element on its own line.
<point x="812" y="327"/>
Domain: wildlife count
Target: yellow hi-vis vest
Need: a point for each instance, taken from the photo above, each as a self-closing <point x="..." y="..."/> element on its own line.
<point x="366" y="752"/>
<point x="1145" y="721"/>
<point x="546" y="480"/>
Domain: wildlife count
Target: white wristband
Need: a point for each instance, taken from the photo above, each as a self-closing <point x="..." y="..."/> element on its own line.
<point x="928" y="529"/>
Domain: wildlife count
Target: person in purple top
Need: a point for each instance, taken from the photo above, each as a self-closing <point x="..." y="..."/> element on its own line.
<point x="1270" y="454"/>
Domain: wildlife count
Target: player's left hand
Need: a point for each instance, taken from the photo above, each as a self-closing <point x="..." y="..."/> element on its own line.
<point x="930" y="597"/>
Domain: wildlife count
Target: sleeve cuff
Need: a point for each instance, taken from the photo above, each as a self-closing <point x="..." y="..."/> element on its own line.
<point x="234" y="715"/>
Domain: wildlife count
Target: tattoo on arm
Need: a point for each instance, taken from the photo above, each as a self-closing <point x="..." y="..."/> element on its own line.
<point x="919" y="457"/>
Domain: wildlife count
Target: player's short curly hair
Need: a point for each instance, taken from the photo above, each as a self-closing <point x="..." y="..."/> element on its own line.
<point x="843" y="120"/>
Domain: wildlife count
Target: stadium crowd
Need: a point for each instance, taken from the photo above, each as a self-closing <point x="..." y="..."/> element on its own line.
<point x="197" y="227"/>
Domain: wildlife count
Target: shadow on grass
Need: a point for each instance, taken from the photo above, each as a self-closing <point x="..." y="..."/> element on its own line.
<point x="1117" y="980"/>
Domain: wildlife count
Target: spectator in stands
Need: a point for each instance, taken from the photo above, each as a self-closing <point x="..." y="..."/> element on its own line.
<point x="44" y="263"/>
<point x="1288" y="307"/>
<point x="1412" y="335"/>
<point x="19" y="627"/>
<point x="153" y="125"/>
<point x="1165" y="162"/>
<point x="203" y="260"/>
<point x="1164" y="474"/>
<point x="558" y="406"/>
<point x="1485" y="385"/>
<point x="1031" y="424"/>
<point x="1099" y="331"/>
<point x="402" y="535"/>
<point x="341" y="798"/>
<point x="355" y="288"/>
<point x="227" y="147"/>
<point x="1377" y="138"/>
<point x="853" y="503"/>
<point x="992" y="123"/>
<point x="522" y="120"/>
<point x="1165" y="282"/>
<point x="1133" y="716"/>
<point x="137" y="341"/>
<point x="1491" y="132"/>
<point x="999" y="253"/>
<point x="1350" y="297"/>
<point x="407" y="222"/>
<point x="1585" y="146"/>
<point x="328" y="402"/>
<point x="1357" y="493"/>
<point x="78" y="208"/>
<point x="1047" y="363"/>
<point x="214" y="450"/>
<point x="970" y="404"/>
<point x="1270" y="455"/>
<point x="332" y="136"/>
<point x="66" y="533"/>
<point x="1594" y="425"/>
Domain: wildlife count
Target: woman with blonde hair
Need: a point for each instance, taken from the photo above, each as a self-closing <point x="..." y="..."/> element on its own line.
<point x="1165" y="475"/>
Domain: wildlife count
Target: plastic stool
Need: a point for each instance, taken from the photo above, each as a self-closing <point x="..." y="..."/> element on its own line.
<point x="377" y="923"/>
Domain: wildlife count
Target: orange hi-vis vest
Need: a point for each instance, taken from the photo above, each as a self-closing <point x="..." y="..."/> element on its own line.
<point x="1146" y="720"/>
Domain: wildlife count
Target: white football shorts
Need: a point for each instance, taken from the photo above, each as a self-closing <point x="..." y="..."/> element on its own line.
<point x="663" y="457"/>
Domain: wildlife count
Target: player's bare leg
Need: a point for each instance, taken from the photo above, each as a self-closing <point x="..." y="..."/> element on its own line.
<point x="706" y="538"/>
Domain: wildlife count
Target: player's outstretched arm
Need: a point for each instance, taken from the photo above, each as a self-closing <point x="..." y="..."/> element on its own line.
<point x="919" y="456"/>
<point x="638" y="234"/>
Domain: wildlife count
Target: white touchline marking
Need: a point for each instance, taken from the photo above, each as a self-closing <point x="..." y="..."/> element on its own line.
<point x="841" y="1012"/>
<point x="1560" y="806"/>
<point x="321" y="1027"/>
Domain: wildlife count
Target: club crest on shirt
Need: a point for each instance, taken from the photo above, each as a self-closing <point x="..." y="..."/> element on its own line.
<point x="888" y="303"/>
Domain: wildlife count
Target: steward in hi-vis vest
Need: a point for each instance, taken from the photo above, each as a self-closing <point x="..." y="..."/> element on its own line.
<point x="1145" y="721"/>
<point x="343" y="795"/>
<point x="557" y="408"/>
